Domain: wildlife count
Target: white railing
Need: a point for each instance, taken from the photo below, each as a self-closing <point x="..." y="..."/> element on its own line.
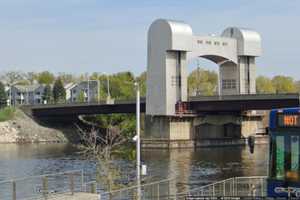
<point x="232" y="187"/>
<point x="160" y="190"/>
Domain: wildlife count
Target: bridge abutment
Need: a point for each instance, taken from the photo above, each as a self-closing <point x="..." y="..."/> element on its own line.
<point x="200" y="131"/>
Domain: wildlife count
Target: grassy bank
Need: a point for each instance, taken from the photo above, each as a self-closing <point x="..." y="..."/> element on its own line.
<point x="7" y="113"/>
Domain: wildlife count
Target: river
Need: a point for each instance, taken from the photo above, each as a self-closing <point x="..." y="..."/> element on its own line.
<point x="191" y="167"/>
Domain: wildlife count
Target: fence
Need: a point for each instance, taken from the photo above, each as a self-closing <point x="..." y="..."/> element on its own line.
<point x="43" y="186"/>
<point x="232" y="187"/>
<point x="159" y="190"/>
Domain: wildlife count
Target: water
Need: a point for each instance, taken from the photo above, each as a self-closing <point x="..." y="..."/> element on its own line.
<point x="191" y="167"/>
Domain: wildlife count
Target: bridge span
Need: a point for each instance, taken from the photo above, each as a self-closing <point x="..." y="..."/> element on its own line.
<point x="195" y="105"/>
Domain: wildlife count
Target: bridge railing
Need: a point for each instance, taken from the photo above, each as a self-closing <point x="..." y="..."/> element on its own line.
<point x="43" y="186"/>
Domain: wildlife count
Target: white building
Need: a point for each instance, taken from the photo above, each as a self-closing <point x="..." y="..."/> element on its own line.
<point x="26" y="94"/>
<point x="85" y="91"/>
<point x="68" y="87"/>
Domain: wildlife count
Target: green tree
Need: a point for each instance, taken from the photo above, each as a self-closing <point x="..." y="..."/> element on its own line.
<point x="45" y="78"/>
<point x="264" y="85"/>
<point x="202" y="82"/>
<point x="3" y="95"/>
<point x="142" y="79"/>
<point x="47" y="94"/>
<point x="59" y="92"/>
<point x="66" y="78"/>
<point x="283" y="84"/>
<point x="122" y="85"/>
<point x="81" y="97"/>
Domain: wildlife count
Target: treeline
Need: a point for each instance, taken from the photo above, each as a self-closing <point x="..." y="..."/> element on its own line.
<point x="121" y="85"/>
<point x="205" y="82"/>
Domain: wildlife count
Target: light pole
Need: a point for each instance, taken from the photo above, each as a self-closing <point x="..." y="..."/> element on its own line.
<point x="108" y="90"/>
<point x="138" y="141"/>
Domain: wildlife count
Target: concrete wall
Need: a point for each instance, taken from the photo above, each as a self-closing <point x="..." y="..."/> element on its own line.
<point x="172" y="128"/>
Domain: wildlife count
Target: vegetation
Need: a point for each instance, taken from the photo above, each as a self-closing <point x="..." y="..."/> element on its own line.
<point x="81" y="97"/>
<point x="45" y="78"/>
<point x="7" y="113"/>
<point x="202" y="82"/>
<point x="3" y="95"/>
<point x="59" y="92"/>
<point x="47" y="94"/>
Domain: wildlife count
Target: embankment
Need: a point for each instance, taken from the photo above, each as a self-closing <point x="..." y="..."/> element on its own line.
<point x="23" y="129"/>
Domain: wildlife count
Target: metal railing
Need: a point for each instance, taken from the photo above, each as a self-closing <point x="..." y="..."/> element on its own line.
<point x="43" y="186"/>
<point x="232" y="187"/>
<point x="159" y="190"/>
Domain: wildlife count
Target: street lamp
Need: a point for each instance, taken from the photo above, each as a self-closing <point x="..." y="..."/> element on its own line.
<point x="138" y="140"/>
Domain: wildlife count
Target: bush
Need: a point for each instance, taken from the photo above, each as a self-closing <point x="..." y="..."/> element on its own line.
<point x="7" y="113"/>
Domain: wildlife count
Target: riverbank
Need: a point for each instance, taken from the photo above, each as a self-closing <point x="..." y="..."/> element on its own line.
<point x="22" y="129"/>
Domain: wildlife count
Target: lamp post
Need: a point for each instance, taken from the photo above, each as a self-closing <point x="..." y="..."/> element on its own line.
<point x="138" y="141"/>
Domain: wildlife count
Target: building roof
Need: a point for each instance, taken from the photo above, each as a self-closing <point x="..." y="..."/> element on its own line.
<point x="27" y="88"/>
<point x="69" y="86"/>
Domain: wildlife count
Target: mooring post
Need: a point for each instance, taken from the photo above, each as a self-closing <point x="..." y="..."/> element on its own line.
<point x="45" y="187"/>
<point x="82" y="182"/>
<point x="94" y="188"/>
<point x="72" y="183"/>
<point x="14" y="191"/>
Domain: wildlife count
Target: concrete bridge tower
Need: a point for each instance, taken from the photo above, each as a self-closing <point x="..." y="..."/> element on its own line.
<point x="171" y="44"/>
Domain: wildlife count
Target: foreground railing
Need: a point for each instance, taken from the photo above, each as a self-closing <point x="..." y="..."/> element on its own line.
<point x="43" y="186"/>
<point x="232" y="187"/>
<point x="155" y="190"/>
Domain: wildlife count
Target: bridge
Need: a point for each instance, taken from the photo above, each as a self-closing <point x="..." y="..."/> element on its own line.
<point x="196" y="105"/>
<point x="169" y="113"/>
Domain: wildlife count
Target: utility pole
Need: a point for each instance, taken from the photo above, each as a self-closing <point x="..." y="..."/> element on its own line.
<point x="108" y="90"/>
<point x="138" y="141"/>
<point x="88" y="90"/>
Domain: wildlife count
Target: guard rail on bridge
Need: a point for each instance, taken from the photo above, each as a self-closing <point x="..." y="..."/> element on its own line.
<point x="195" y="105"/>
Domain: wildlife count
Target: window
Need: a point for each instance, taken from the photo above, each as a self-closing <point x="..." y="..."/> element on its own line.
<point x="229" y="84"/>
<point x="176" y="81"/>
<point x="199" y="41"/>
<point x="285" y="151"/>
<point x="224" y="43"/>
<point x="208" y="42"/>
<point x="38" y="93"/>
<point x="217" y="43"/>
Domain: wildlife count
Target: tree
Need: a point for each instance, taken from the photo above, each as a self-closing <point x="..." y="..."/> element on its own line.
<point x="3" y="95"/>
<point x="13" y="77"/>
<point x="283" y="84"/>
<point x="31" y="77"/>
<point x="122" y="85"/>
<point x="45" y="78"/>
<point x="81" y="97"/>
<point x="264" y="85"/>
<point x="202" y="82"/>
<point x="47" y="93"/>
<point x="66" y="78"/>
<point x="59" y="92"/>
<point x="142" y="79"/>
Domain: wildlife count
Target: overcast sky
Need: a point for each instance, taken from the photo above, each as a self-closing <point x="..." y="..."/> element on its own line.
<point x="109" y="36"/>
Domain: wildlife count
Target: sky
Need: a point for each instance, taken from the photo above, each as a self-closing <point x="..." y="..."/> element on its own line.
<point x="78" y="36"/>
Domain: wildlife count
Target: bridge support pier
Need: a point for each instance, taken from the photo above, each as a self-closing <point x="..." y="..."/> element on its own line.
<point x="198" y="131"/>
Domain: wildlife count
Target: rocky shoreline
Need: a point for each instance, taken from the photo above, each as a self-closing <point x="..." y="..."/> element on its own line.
<point x="23" y="129"/>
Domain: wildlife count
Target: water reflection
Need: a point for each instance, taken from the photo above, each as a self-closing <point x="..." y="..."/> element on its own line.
<point x="192" y="167"/>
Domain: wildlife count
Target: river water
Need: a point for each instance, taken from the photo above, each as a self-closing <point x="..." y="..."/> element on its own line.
<point x="191" y="167"/>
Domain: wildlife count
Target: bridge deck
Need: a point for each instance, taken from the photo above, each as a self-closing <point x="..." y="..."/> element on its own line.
<point x="200" y="104"/>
